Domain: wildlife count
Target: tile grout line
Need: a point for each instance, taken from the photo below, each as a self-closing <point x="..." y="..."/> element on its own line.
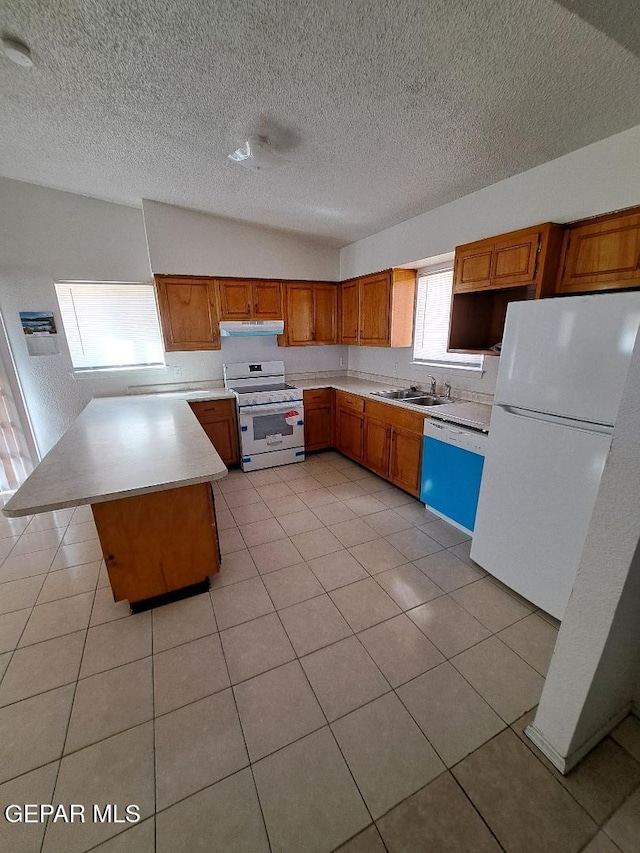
<point x="472" y="804"/>
<point x="322" y="711"/>
<point x="24" y="628"/>
<point x="246" y="746"/>
<point x="66" y="735"/>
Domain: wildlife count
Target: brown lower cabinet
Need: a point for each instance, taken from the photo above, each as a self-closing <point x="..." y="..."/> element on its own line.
<point x="349" y="433"/>
<point x="318" y="419"/>
<point x="218" y="419"/>
<point x="377" y="438"/>
<point x="158" y="542"/>
<point x="384" y="438"/>
<point x="405" y="461"/>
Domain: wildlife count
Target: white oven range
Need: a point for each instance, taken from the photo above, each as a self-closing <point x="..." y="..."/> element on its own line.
<point x="270" y="414"/>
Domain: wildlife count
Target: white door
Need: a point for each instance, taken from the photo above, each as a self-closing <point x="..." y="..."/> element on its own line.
<point x="570" y="355"/>
<point x="538" y="491"/>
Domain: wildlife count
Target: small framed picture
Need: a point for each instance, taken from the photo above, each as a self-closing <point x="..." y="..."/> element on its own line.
<point x="38" y="323"/>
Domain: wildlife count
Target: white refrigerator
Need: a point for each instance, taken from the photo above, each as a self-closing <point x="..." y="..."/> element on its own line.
<point x="562" y="372"/>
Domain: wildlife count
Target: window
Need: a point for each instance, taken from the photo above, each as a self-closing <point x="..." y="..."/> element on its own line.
<point x="110" y="324"/>
<point x="432" y="321"/>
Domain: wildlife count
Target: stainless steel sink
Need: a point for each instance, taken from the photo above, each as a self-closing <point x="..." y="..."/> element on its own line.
<point x="429" y="401"/>
<point x="402" y="394"/>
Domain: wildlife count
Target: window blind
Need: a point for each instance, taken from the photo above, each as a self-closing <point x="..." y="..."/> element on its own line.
<point x="433" y="309"/>
<point x="110" y="324"/>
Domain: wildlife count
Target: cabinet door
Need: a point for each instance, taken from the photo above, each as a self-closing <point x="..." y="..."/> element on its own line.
<point x="602" y="255"/>
<point x="406" y="459"/>
<point x="515" y="261"/>
<point x="267" y="300"/>
<point x="318" y="427"/>
<point x="218" y="419"/>
<point x="158" y="542"/>
<point x="349" y="312"/>
<point x="188" y="313"/>
<point x="349" y="429"/>
<point x="376" y="445"/>
<point x="223" y="434"/>
<point x="326" y="313"/>
<point x="472" y="269"/>
<point x="299" y="315"/>
<point x="375" y="307"/>
<point x="235" y="299"/>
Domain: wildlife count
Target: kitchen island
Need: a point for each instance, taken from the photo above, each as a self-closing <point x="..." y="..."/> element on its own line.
<point x="145" y="465"/>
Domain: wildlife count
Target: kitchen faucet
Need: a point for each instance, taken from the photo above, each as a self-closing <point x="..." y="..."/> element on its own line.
<point x="434" y="390"/>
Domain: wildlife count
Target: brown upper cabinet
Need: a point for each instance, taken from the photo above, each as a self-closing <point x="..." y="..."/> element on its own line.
<point x="521" y="258"/>
<point x="601" y="253"/>
<point x="377" y="310"/>
<point x="188" y="312"/>
<point x="349" y="311"/>
<point x="491" y="273"/>
<point x="311" y="314"/>
<point x="249" y="299"/>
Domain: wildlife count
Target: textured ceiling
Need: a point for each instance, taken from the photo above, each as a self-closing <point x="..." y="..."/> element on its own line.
<point x="382" y="109"/>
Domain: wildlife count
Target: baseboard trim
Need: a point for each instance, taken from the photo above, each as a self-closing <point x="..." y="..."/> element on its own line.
<point x="565" y="763"/>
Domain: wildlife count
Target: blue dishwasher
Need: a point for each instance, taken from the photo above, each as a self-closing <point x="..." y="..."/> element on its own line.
<point x="452" y="461"/>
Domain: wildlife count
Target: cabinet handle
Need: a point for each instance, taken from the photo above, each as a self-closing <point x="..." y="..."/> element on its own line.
<point x="248" y="308"/>
<point x="255" y="308"/>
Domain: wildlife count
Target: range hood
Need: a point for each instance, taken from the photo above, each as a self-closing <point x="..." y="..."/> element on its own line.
<point x="250" y="328"/>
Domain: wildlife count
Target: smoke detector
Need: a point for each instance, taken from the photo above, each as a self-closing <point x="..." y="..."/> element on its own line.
<point x="17" y="51"/>
<point x="256" y="154"/>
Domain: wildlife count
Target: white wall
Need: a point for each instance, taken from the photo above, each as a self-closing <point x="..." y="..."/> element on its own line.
<point x="190" y="243"/>
<point x="596" y="179"/>
<point x="48" y="235"/>
<point x="593" y="677"/>
<point x="398" y="363"/>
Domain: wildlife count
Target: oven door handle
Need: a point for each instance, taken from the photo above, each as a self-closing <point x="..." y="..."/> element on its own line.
<point x="259" y="409"/>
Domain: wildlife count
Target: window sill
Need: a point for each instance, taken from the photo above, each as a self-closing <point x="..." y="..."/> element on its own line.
<point x="93" y="371"/>
<point x="448" y="365"/>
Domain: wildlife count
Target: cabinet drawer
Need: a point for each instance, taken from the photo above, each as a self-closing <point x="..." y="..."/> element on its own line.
<point x="395" y="416"/>
<point x="213" y="409"/>
<point x="349" y="401"/>
<point x="318" y="396"/>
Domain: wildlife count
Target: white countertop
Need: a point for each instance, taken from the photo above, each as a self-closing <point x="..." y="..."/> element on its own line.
<point x="465" y="412"/>
<point x="120" y="447"/>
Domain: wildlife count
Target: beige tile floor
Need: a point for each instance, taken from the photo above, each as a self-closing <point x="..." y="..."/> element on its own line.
<point x="352" y="681"/>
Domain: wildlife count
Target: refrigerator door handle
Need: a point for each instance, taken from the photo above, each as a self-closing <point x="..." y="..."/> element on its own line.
<point x="570" y="423"/>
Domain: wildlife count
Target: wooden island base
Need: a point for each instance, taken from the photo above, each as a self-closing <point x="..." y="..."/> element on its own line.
<point x="158" y="542"/>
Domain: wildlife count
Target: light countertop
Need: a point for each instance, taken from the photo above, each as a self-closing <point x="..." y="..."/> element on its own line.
<point x="120" y="447"/>
<point x="464" y="412"/>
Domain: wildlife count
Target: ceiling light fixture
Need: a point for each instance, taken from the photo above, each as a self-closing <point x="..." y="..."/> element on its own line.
<point x="256" y="154"/>
<point x="17" y="51"/>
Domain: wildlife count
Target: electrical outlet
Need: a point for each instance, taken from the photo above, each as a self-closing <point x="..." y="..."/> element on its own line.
<point x="395" y="368"/>
<point x="341" y="361"/>
<point x="177" y="371"/>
